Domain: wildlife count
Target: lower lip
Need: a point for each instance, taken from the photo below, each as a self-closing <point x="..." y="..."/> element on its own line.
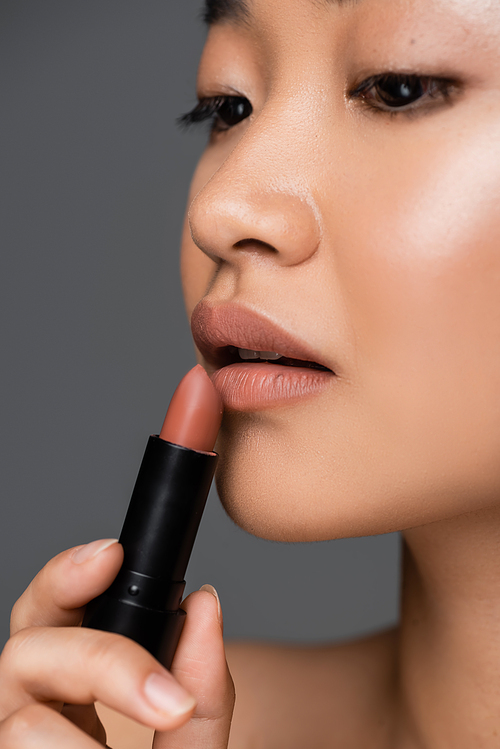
<point x="253" y="387"/>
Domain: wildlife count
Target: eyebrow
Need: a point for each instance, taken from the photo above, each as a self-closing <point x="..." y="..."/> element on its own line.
<point x="216" y="11"/>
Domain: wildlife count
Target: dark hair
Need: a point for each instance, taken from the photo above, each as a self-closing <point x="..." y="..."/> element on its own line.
<point x="217" y="10"/>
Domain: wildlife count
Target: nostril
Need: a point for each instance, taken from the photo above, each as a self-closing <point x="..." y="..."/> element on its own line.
<point x="251" y="244"/>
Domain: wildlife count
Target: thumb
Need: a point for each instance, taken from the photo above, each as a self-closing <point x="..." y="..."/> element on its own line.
<point x="200" y="666"/>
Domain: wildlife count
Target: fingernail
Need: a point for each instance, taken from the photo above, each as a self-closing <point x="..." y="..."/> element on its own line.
<point x="167" y="695"/>
<point x="89" y="551"/>
<point x="211" y="589"/>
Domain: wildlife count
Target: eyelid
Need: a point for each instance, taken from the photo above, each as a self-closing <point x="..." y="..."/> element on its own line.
<point x="444" y="88"/>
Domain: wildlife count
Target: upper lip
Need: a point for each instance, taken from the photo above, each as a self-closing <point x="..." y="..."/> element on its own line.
<point x="216" y="328"/>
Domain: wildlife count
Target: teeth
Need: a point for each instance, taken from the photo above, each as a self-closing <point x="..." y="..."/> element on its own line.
<point x="269" y="355"/>
<point x="247" y="354"/>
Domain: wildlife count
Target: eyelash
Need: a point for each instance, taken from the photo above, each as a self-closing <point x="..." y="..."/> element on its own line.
<point x="209" y="110"/>
<point x="416" y="89"/>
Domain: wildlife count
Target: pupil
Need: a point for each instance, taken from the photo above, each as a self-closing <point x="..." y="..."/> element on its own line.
<point x="234" y="110"/>
<point x="398" y="91"/>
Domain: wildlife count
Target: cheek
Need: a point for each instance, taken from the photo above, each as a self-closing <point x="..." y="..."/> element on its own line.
<point x="423" y="274"/>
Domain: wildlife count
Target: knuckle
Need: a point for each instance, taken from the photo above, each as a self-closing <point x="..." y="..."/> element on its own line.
<point x="106" y="649"/>
<point x="41" y="591"/>
<point x="12" y="654"/>
<point x="21" y="725"/>
<point x="17" y="615"/>
<point x="20" y="614"/>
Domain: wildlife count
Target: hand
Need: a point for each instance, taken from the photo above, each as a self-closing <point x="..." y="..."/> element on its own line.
<point x="52" y="671"/>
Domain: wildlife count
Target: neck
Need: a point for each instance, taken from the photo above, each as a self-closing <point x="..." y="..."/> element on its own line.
<point x="450" y="634"/>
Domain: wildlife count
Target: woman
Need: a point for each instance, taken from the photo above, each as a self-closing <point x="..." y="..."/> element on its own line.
<point x="342" y="224"/>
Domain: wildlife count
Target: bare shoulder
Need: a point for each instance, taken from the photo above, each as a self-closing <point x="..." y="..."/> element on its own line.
<point x="324" y="696"/>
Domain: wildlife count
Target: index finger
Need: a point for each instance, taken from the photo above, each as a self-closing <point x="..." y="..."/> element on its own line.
<point x="57" y="595"/>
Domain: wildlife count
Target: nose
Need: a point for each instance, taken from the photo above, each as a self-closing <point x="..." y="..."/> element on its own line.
<point x="254" y="203"/>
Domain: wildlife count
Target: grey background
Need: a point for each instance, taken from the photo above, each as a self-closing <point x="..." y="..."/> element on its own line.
<point x="93" y="179"/>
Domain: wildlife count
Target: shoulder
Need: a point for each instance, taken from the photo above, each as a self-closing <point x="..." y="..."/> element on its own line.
<point x="316" y="696"/>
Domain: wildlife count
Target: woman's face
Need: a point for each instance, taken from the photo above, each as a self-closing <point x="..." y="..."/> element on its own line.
<point x="346" y="211"/>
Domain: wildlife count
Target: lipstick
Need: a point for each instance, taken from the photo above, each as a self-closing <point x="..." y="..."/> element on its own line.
<point x="161" y="523"/>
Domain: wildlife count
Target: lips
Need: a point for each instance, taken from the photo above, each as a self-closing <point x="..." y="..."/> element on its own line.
<point x="219" y="331"/>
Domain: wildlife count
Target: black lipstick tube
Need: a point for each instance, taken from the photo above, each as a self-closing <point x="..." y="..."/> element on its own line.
<point x="158" y="535"/>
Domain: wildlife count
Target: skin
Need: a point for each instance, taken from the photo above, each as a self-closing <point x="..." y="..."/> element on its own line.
<point x="374" y="237"/>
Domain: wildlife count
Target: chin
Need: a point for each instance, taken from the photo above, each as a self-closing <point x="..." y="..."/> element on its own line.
<point x="278" y="491"/>
<point x="280" y="482"/>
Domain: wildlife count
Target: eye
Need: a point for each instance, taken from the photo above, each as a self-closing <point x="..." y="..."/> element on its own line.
<point x="223" y="112"/>
<point x="395" y="92"/>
